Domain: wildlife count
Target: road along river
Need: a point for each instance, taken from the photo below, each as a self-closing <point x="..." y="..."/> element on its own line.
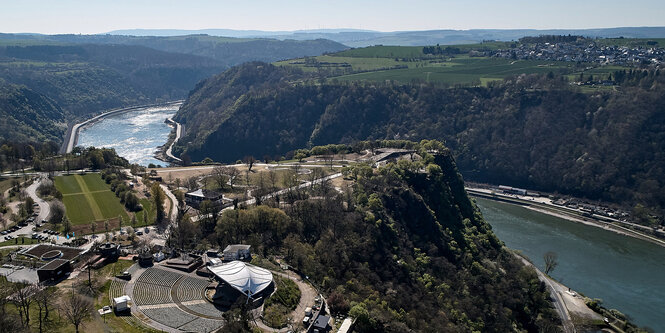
<point x="628" y="274"/>
<point x="135" y="134"/>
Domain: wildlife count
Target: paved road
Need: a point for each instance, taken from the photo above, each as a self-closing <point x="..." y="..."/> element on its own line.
<point x="555" y="291"/>
<point x="44" y="207"/>
<point x="178" y="134"/>
<point x="174" y="203"/>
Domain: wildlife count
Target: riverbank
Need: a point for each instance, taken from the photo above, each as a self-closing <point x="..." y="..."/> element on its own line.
<point x="542" y="206"/>
<point x="165" y="152"/>
<point x="72" y="134"/>
<point x="570" y="305"/>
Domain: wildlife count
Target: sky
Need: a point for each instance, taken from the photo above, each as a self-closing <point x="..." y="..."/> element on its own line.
<point x="99" y="16"/>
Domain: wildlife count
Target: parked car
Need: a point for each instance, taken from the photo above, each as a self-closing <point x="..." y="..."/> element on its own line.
<point x="139" y="233"/>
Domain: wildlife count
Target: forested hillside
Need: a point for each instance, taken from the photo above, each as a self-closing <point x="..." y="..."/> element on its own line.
<point x="224" y="50"/>
<point x="87" y="74"/>
<point x="26" y="115"/>
<point x="533" y="131"/>
<point x="86" y="79"/>
<point x="403" y="249"/>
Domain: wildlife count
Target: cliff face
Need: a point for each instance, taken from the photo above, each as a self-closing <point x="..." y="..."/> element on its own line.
<point x="404" y="249"/>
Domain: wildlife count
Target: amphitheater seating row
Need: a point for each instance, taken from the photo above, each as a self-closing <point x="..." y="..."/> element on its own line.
<point x="148" y="294"/>
<point x="159" y="277"/>
<point x="191" y="289"/>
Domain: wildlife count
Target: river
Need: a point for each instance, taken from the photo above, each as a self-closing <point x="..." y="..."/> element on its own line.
<point x="626" y="273"/>
<point x="135" y="135"/>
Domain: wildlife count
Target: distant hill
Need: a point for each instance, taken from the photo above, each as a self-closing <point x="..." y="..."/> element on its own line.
<point x="534" y="131"/>
<point x="227" y="51"/>
<point x="361" y="38"/>
<point x="86" y="74"/>
<point x="88" y="78"/>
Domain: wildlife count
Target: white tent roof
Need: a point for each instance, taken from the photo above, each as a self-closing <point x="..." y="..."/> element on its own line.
<point x="246" y="278"/>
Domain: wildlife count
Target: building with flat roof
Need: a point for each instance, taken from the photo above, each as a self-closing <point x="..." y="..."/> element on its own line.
<point x="54" y="270"/>
<point x="237" y="252"/>
<point x="195" y="198"/>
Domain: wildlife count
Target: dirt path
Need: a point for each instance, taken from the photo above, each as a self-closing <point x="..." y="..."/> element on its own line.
<point x="307" y="296"/>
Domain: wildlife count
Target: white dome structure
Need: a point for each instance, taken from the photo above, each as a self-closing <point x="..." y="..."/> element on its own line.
<point x="248" y="279"/>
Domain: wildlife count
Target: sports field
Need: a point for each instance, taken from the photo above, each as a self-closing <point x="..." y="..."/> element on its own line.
<point x="88" y="198"/>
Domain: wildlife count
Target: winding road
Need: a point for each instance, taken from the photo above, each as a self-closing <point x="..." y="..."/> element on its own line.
<point x="178" y="134"/>
<point x="557" y="299"/>
<point x="44" y="207"/>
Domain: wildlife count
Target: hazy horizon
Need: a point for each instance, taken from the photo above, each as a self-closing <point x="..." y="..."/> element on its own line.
<point x="84" y="17"/>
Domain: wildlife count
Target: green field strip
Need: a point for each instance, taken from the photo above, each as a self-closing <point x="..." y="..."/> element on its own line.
<point x="67" y="184"/>
<point x="96" y="211"/>
<point x="94" y="182"/>
<point x="69" y="194"/>
<point x="78" y="209"/>
<point x="109" y="205"/>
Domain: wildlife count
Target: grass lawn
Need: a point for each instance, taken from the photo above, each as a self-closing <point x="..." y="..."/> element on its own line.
<point x="88" y="198"/>
<point x="5" y="184"/>
<point x="147" y="208"/>
<point x="19" y="241"/>
<point x="115" y="268"/>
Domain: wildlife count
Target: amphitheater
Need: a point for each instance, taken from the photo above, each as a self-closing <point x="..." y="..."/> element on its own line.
<point x="169" y="300"/>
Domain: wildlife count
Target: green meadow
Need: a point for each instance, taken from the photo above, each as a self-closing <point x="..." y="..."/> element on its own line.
<point x="408" y="64"/>
<point x="88" y="198"/>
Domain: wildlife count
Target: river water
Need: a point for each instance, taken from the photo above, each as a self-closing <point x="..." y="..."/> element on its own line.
<point x="626" y="273"/>
<point x="135" y="135"/>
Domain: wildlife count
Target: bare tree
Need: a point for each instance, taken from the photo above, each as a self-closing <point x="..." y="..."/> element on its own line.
<point x="329" y="157"/>
<point x="9" y="321"/>
<point x="219" y="174"/>
<point x="550" y="261"/>
<point x="57" y="211"/>
<point x="76" y="309"/>
<point x="249" y="160"/>
<point x="296" y="168"/>
<point x="273" y="179"/>
<point x="22" y="298"/>
<point x="44" y="299"/>
<point x="192" y="183"/>
<point x="233" y="174"/>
